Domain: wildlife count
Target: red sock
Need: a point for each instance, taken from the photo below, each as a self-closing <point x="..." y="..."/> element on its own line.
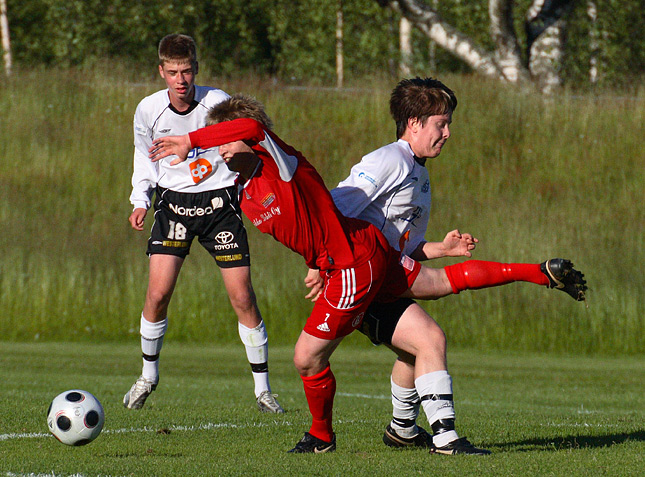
<point x="474" y="274"/>
<point x="320" y="390"/>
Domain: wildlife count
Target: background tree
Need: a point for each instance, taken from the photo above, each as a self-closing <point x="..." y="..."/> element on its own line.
<point x="521" y="41"/>
<point x="4" y="33"/>
<point x="545" y="33"/>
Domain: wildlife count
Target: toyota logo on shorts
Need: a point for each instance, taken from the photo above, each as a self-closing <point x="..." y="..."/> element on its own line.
<point x="224" y="237"/>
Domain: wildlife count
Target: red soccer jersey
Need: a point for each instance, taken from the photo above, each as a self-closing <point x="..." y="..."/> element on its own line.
<point x="287" y="198"/>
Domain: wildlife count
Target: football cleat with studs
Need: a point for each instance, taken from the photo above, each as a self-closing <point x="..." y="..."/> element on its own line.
<point x="392" y="439"/>
<point x="267" y="403"/>
<point x="563" y="276"/>
<point x="312" y="445"/>
<point x="136" y="397"/>
<point x="459" y="446"/>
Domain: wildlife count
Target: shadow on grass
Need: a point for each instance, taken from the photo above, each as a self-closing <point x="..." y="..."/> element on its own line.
<point x="573" y="442"/>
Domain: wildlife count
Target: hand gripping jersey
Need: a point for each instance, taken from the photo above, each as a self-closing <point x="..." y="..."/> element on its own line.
<point x="389" y="188"/>
<point x="203" y="171"/>
<point x="287" y="198"/>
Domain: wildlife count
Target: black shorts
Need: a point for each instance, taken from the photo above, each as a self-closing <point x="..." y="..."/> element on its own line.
<point x="213" y="216"/>
<point x="380" y="320"/>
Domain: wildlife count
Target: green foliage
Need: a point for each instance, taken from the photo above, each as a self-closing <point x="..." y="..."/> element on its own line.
<point x="295" y="40"/>
<point x="539" y="414"/>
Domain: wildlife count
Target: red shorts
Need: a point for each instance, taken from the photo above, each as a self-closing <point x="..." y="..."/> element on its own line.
<point x="348" y="292"/>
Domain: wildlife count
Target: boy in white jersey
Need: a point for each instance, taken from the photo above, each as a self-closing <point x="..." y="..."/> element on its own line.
<point x="390" y="188"/>
<point x="194" y="199"/>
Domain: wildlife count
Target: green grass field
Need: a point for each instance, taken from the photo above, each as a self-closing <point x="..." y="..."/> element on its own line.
<point x="551" y="386"/>
<point x="539" y="414"/>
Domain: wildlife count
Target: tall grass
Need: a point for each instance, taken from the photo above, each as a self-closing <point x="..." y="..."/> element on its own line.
<point x="531" y="177"/>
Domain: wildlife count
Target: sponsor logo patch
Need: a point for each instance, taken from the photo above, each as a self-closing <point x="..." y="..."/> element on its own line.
<point x="225" y="241"/>
<point x="426" y="187"/>
<point x="224" y="237"/>
<point x="195" y="211"/>
<point x="229" y="258"/>
<point x="369" y="179"/>
<point x="174" y="243"/>
<point x="407" y="262"/>
<point x="200" y="169"/>
<point x="268" y="200"/>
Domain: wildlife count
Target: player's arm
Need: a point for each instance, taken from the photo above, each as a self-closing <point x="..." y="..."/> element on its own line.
<point x="455" y="244"/>
<point x="145" y="174"/>
<point x="210" y="136"/>
<point x="367" y="181"/>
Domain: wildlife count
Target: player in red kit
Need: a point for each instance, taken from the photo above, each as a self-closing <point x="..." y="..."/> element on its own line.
<point x="284" y="196"/>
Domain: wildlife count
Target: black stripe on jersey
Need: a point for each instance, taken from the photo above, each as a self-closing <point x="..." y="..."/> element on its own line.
<point x="190" y="109"/>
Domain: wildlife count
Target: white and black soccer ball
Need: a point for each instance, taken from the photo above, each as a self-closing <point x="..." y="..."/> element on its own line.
<point x="75" y="417"/>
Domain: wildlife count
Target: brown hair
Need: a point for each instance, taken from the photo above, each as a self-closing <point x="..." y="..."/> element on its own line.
<point x="177" y="47"/>
<point x="420" y="98"/>
<point x="236" y="107"/>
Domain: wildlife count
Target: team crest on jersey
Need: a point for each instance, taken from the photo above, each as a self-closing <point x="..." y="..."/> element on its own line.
<point x="268" y="200"/>
<point x="200" y="169"/>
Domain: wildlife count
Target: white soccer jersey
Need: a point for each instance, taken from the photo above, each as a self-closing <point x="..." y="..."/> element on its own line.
<point x="203" y="171"/>
<point x="391" y="190"/>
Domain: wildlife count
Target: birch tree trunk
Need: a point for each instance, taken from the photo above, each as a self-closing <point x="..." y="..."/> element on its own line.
<point x="508" y="53"/>
<point x="436" y="28"/>
<point x="594" y="42"/>
<point x="405" y="45"/>
<point x="339" y="46"/>
<point x="545" y="32"/>
<point x="546" y="51"/>
<point x="4" y="31"/>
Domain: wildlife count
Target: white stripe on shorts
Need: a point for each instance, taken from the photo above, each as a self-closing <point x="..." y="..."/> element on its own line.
<point x="349" y="288"/>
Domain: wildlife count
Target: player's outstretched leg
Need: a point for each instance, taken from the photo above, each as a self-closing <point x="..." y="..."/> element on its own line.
<point x="555" y="273"/>
<point x="562" y="276"/>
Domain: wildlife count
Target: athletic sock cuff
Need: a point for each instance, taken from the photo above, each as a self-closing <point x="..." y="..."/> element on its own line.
<point x="151" y="330"/>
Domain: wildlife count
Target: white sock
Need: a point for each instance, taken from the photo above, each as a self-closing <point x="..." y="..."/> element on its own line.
<point x="151" y="341"/>
<point x="435" y="391"/>
<point x="405" y="410"/>
<point x="257" y="351"/>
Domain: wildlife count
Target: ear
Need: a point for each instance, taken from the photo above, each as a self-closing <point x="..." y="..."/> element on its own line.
<point x="196" y="68"/>
<point x="413" y="124"/>
<point x="161" y="71"/>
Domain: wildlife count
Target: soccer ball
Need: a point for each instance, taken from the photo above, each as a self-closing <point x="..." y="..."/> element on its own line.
<point x="75" y="417"/>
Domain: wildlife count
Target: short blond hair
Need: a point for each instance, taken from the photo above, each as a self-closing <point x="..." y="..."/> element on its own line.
<point x="236" y="107"/>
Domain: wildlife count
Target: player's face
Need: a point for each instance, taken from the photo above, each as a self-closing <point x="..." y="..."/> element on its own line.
<point x="227" y="151"/>
<point x="428" y="139"/>
<point x="180" y="79"/>
<point x="239" y="157"/>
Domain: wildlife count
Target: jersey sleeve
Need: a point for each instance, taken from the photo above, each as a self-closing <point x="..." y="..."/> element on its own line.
<point x="371" y="178"/>
<point x="229" y="131"/>
<point x="246" y="129"/>
<point x="146" y="172"/>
